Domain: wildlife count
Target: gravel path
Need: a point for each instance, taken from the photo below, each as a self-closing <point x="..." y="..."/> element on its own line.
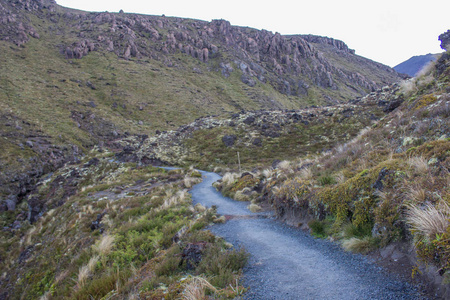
<point x="286" y="263"/>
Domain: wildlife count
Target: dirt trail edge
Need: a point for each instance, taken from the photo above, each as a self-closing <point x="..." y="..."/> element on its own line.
<point x="286" y="263"/>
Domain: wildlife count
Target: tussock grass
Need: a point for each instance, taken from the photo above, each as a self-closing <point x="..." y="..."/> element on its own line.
<point x="285" y="166"/>
<point x="229" y="178"/>
<point x="83" y="275"/>
<point x="306" y="173"/>
<point x="359" y="245"/>
<point x="267" y="173"/>
<point x="254" y="208"/>
<point x="200" y="208"/>
<point x="340" y="177"/>
<point x="429" y="220"/>
<point x="241" y="196"/>
<point x="408" y="86"/>
<point x="190" y="181"/>
<point x="419" y="164"/>
<point x="93" y="263"/>
<point x="195" y="288"/>
<point x="105" y="245"/>
<point x="416" y="194"/>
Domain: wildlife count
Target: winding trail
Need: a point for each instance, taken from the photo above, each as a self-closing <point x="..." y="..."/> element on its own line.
<point x="286" y="263"/>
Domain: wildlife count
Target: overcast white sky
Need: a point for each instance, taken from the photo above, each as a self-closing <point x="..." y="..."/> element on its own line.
<point x="387" y="31"/>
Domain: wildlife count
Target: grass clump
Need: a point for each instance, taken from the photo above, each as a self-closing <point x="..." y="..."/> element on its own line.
<point x="360" y="245"/>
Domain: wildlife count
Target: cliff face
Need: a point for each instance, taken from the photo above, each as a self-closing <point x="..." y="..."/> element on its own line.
<point x="290" y="64"/>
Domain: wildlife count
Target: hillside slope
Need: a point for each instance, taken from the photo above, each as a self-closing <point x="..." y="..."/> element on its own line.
<point x="70" y="79"/>
<point x="386" y="192"/>
<point x="413" y="65"/>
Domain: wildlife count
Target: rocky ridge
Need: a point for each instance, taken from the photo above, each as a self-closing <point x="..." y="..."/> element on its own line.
<point x="291" y="64"/>
<point x="255" y="129"/>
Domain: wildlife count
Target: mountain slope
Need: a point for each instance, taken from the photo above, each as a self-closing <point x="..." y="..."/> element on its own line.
<point x="70" y="79"/>
<point x="413" y="65"/>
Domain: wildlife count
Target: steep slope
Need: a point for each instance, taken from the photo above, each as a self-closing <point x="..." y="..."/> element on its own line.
<point x="413" y="65"/>
<point x="70" y="79"/>
<point x="115" y="231"/>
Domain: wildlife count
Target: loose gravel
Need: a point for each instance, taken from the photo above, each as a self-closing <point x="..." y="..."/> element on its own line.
<point x="287" y="263"/>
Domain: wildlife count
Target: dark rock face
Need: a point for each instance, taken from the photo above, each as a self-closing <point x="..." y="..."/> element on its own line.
<point x="378" y="185"/>
<point x="445" y="40"/>
<point x="229" y="140"/>
<point x="97" y="223"/>
<point x="192" y="254"/>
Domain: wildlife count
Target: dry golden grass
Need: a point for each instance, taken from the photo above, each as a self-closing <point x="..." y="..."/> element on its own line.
<point x="200" y="208"/>
<point x="254" y="208"/>
<point x="190" y="181"/>
<point x="363" y="245"/>
<point x="306" y="173"/>
<point x="276" y="191"/>
<point x="419" y="164"/>
<point x="105" y="245"/>
<point x="174" y="199"/>
<point x="416" y="194"/>
<point x="241" y="196"/>
<point x="30" y="234"/>
<point x="340" y="178"/>
<point x="285" y="166"/>
<point x="229" y="178"/>
<point x="221" y="219"/>
<point x="83" y="275"/>
<point x="429" y="220"/>
<point x="408" y="86"/>
<point x="195" y="288"/>
<point x="93" y="263"/>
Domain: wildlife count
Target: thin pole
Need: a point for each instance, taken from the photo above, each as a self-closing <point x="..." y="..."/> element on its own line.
<point x="239" y="161"/>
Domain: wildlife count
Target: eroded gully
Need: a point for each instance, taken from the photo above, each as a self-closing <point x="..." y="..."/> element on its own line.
<point x="286" y="263"/>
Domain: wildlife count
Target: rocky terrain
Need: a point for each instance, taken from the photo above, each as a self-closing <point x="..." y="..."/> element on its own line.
<point x="260" y="136"/>
<point x="384" y="193"/>
<point x="71" y="80"/>
<point x="290" y="64"/>
<point x="88" y="101"/>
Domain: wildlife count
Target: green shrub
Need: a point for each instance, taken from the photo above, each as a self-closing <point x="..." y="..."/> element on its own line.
<point x="350" y="230"/>
<point x="222" y="264"/>
<point x="171" y="262"/>
<point x="317" y="228"/>
<point x="326" y="180"/>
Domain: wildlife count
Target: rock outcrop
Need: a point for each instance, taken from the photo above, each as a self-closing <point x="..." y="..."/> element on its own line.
<point x="290" y="64"/>
<point x="445" y="40"/>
